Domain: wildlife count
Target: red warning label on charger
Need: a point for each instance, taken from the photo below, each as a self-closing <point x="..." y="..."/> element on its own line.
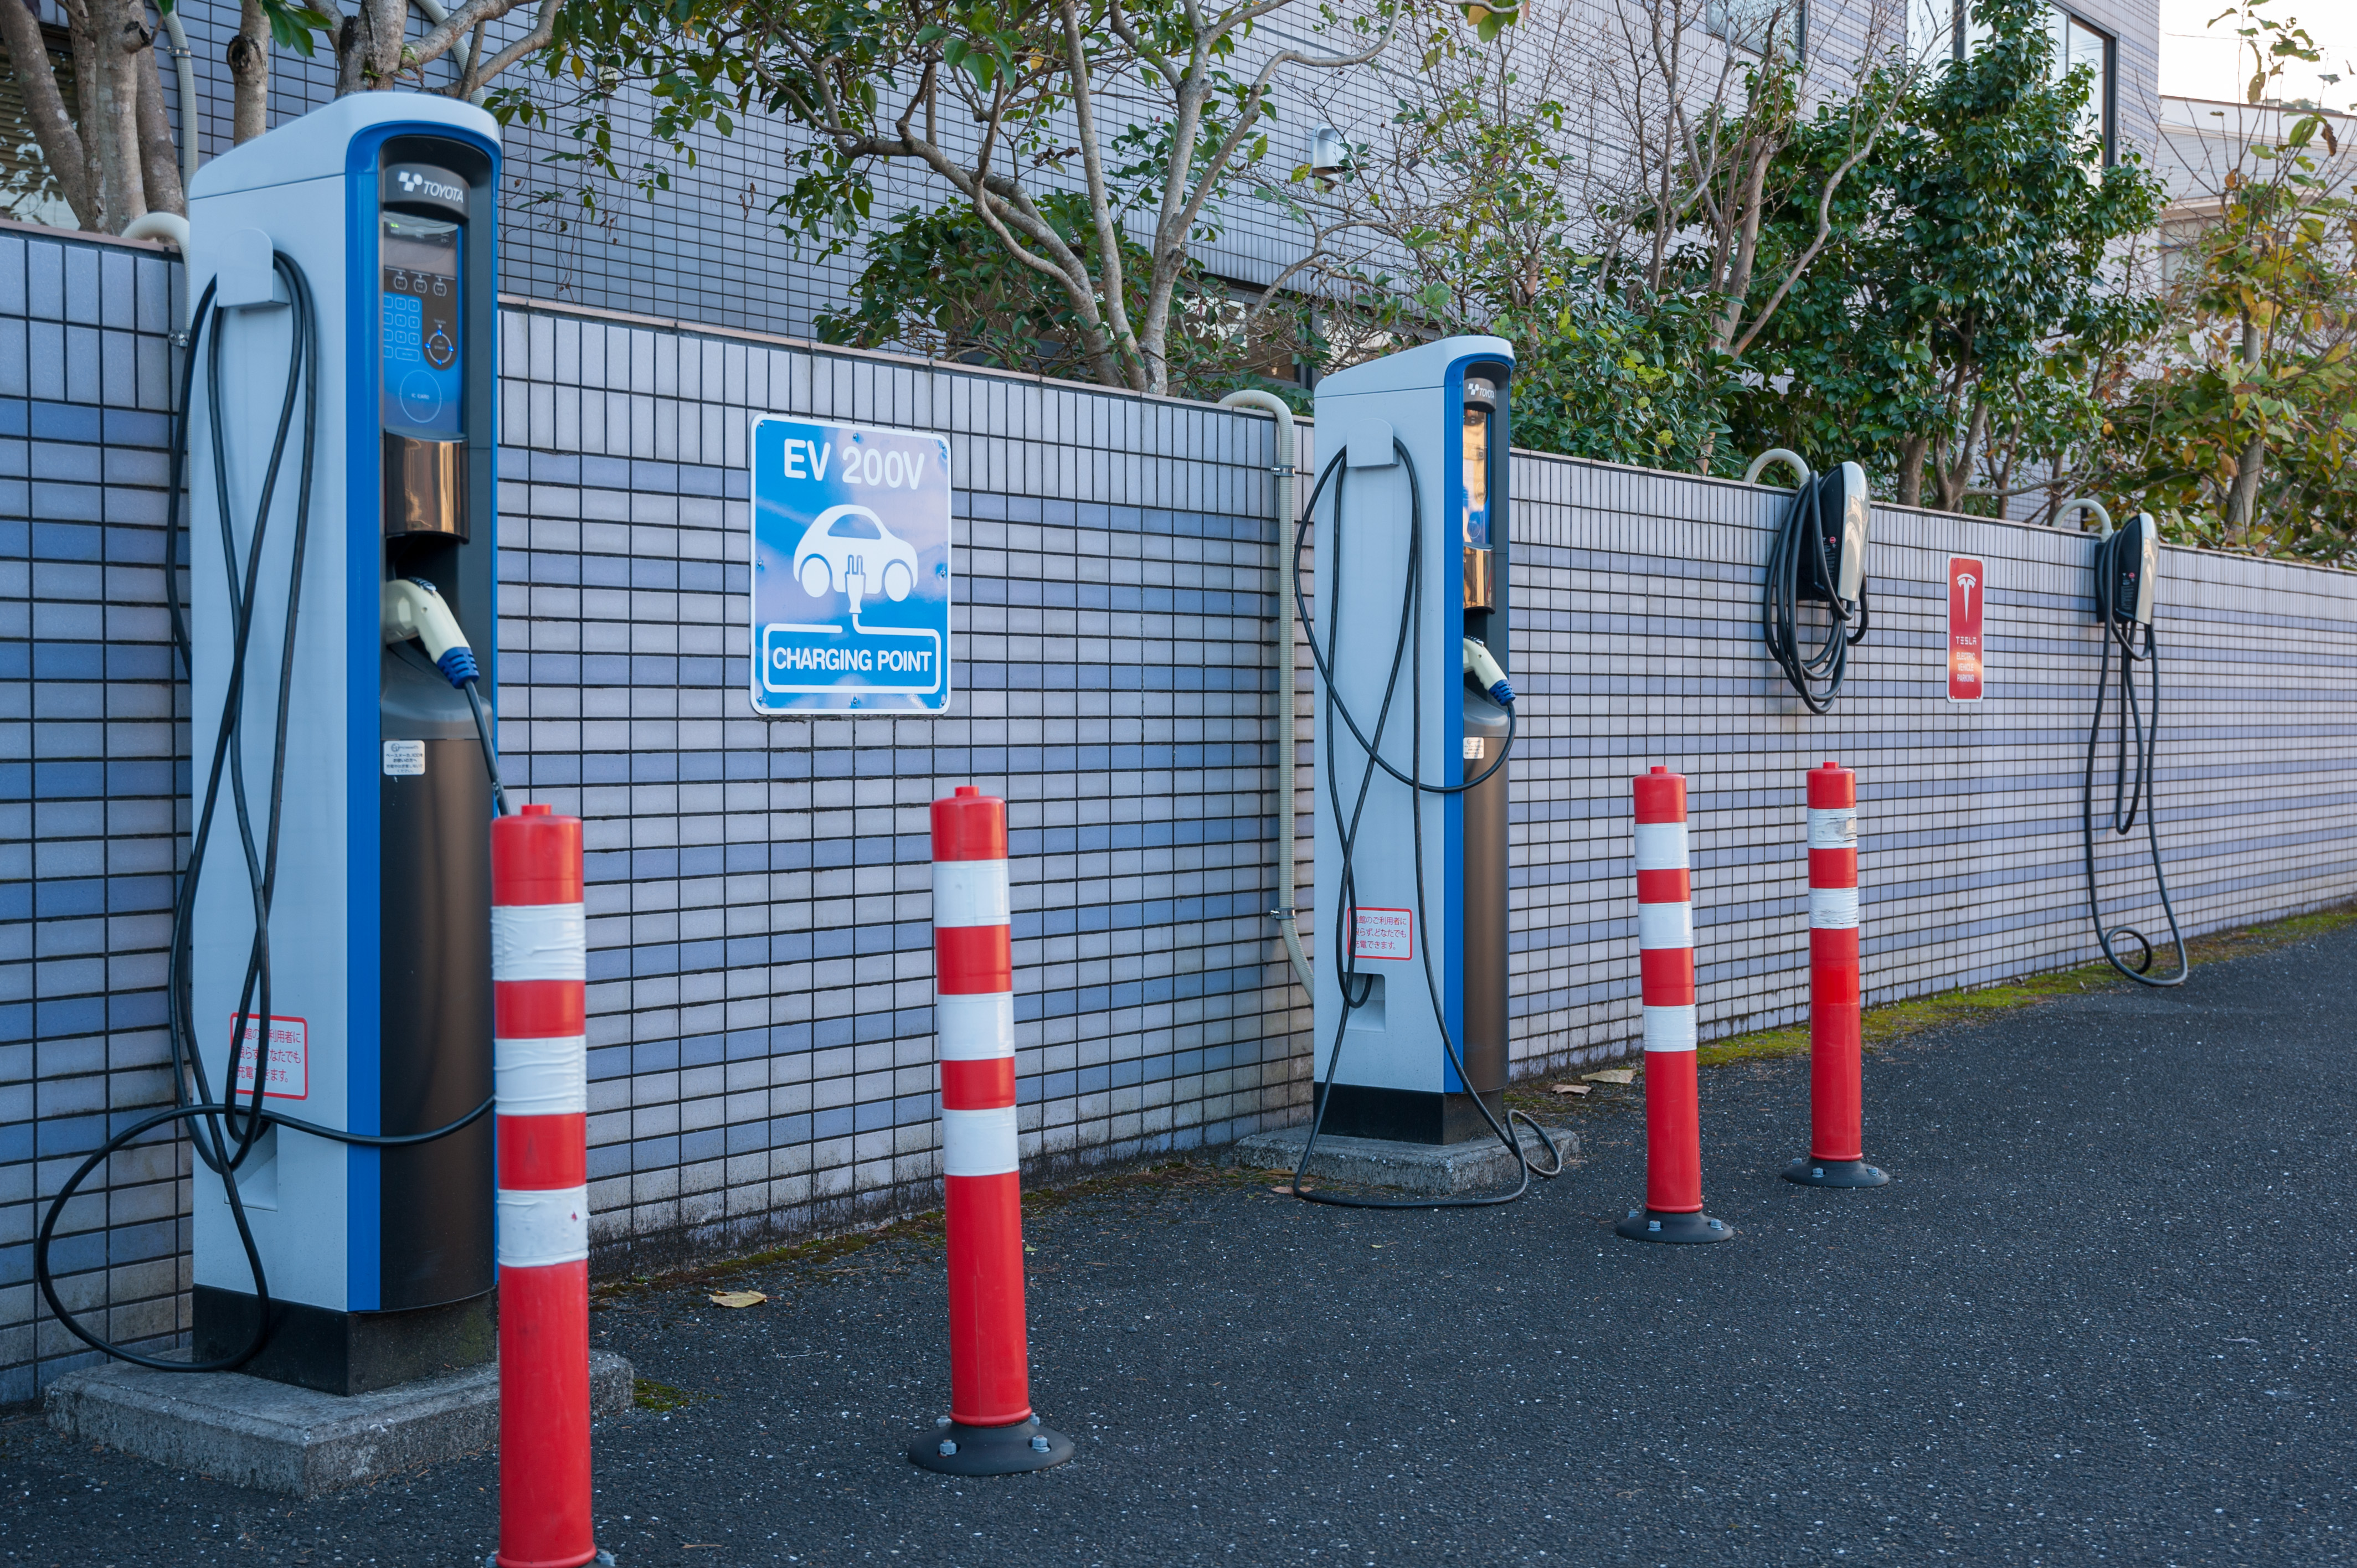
<point x="290" y="1058"/>
<point x="1382" y="933"/>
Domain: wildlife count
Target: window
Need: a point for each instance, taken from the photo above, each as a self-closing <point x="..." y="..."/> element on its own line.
<point x="1753" y="25"/>
<point x="2077" y="44"/>
<point x="1930" y="30"/>
<point x="1946" y="29"/>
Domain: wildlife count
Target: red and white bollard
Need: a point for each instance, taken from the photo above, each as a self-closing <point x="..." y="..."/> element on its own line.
<point x="990" y="1430"/>
<point x="1836" y="1156"/>
<point x="541" y="1062"/>
<point x="1673" y="1210"/>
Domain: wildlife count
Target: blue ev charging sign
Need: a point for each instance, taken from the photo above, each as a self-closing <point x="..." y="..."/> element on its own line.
<point x="851" y="568"/>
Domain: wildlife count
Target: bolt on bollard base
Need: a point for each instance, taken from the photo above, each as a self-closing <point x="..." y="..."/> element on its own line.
<point x="954" y="1448"/>
<point x="1687" y="1229"/>
<point x="1834" y="1173"/>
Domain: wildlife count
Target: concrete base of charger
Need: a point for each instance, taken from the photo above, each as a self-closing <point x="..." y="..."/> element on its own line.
<point x="279" y="1438"/>
<point x="1430" y="1170"/>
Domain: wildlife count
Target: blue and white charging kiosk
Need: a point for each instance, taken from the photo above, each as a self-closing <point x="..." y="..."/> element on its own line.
<point x="378" y="1260"/>
<point x="1412" y="559"/>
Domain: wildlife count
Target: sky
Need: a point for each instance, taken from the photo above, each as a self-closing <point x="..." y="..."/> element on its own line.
<point x="2198" y="62"/>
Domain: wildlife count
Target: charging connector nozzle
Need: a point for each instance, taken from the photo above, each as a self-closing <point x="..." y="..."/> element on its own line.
<point x="415" y="609"/>
<point x="1483" y="667"/>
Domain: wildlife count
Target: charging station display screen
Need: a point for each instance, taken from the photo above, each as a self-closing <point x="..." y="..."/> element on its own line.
<point x="1477" y="478"/>
<point x="422" y="341"/>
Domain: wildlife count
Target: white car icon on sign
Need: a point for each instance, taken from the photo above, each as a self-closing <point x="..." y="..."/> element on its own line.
<point x="847" y="548"/>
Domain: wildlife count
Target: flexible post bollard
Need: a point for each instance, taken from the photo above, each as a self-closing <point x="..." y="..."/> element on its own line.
<point x="541" y="1066"/>
<point x="1836" y="1158"/>
<point x="990" y="1430"/>
<point x="1673" y="1210"/>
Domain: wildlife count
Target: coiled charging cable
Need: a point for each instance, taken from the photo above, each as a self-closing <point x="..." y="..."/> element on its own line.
<point x="1799" y="540"/>
<point x="224" y="1131"/>
<point x="1354" y="995"/>
<point x="2132" y="763"/>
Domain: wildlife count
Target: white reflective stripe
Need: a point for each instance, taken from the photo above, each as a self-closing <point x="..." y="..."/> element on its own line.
<point x="1833" y="827"/>
<point x="970" y="893"/>
<point x="539" y="941"/>
<point x="1671" y="1028"/>
<point x="978" y="1142"/>
<point x="1660" y="847"/>
<point x="975" y="1028"/>
<point x="1833" y="908"/>
<point x="541" y="1077"/>
<point x="1665" y="925"/>
<point x="537" y="1229"/>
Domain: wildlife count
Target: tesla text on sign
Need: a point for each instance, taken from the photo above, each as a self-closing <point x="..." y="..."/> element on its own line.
<point x="1966" y="594"/>
<point x="851" y="568"/>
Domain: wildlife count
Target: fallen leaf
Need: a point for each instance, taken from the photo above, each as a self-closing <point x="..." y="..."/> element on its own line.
<point x="1570" y="1088"/>
<point x="738" y="1298"/>
<point x="1612" y="1075"/>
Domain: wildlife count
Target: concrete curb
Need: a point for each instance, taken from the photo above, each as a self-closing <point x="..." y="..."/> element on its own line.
<point x="1434" y="1170"/>
<point x="278" y="1438"/>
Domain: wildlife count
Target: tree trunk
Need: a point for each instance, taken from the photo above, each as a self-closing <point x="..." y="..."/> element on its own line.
<point x="248" y="73"/>
<point x="1956" y="478"/>
<point x="2243" y="496"/>
<point x="1911" y="454"/>
<point x="82" y="38"/>
<point x="119" y="35"/>
<point x="45" y="107"/>
<point x="160" y="170"/>
<point x="367" y="47"/>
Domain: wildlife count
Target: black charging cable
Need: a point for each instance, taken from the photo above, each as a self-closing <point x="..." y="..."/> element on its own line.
<point x="1800" y="541"/>
<point x="224" y="1131"/>
<point x="2132" y="769"/>
<point x="1355" y="988"/>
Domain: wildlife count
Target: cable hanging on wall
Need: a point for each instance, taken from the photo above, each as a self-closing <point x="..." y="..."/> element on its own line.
<point x="1817" y="555"/>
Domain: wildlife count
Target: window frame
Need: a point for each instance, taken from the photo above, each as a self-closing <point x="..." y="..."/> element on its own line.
<point x="1961" y="43"/>
<point x="1711" y="21"/>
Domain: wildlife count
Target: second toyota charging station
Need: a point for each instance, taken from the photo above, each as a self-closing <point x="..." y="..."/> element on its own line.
<point x="330" y="989"/>
<point x="1414" y="722"/>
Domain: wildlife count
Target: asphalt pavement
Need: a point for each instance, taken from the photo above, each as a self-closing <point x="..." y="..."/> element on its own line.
<point x="2099" y="1316"/>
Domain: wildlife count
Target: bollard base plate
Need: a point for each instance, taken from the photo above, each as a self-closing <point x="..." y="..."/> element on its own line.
<point x="604" y="1559"/>
<point x="1834" y="1172"/>
<point x="1679" y="1229"/>
<point x="989" y="1450"/>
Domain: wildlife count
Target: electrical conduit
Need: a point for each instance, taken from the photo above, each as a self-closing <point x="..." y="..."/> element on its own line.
<point x="1285" y="472"/>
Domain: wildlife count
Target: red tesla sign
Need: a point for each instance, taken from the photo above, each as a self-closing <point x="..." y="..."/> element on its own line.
<point x="1967" y="582"/>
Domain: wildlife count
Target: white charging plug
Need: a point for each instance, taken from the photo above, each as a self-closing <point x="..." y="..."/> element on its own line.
<point x="1484" y="668"/>
<point x="417" y="609"/>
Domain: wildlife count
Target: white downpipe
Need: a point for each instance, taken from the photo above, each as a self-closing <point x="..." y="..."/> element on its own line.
<point x="1285" y="472"/>
<point x="168" y="227"/>
<point x="183" y="68"/>
<point x="2069" y="511"/>
<point x="1775" y="454"/>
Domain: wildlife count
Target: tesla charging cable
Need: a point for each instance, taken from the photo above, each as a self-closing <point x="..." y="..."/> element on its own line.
<point x="1796" y="553"/>
<point x="1476" y="659"/>
<point x="224" y="1131"/>
<point x="2123" y="592"/>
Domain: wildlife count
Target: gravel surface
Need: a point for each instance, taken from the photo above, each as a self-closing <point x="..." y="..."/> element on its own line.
<point x="2093" y="1319"/>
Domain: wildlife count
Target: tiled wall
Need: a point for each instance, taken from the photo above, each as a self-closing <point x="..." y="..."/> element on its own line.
<point x="761" y="968"/>
<point x="1638" y="642"/>
<point x="93" y="768"/>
